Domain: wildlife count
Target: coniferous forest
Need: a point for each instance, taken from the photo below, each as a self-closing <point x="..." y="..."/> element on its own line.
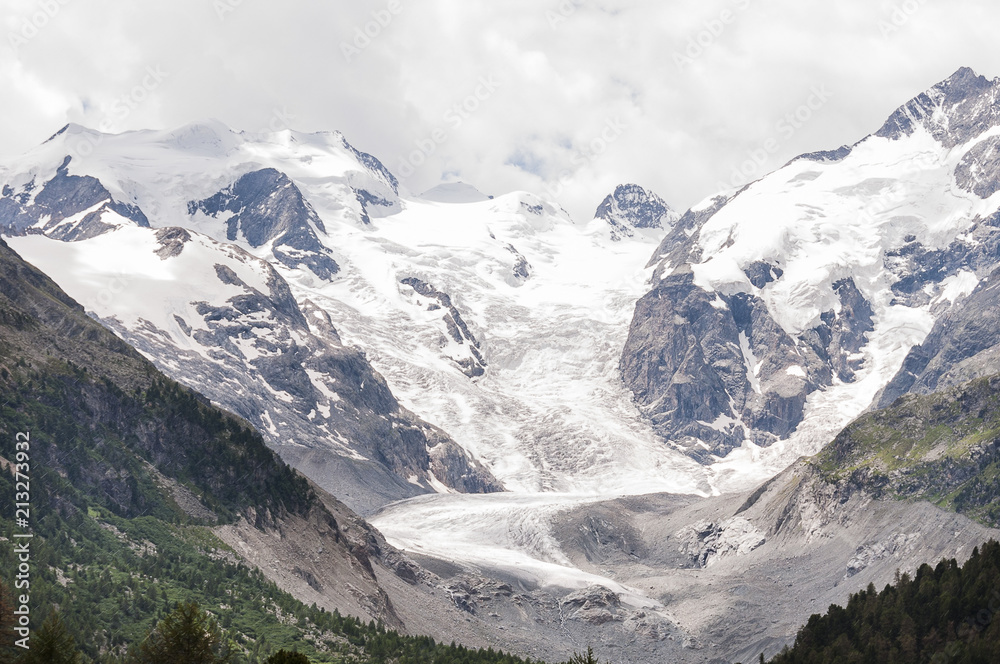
<point x="946" y="614"/>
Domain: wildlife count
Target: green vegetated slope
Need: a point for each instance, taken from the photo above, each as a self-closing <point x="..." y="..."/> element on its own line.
<point x="943" y="448"/>
<point x="944" y="614"/>
<point x="128" y="473"/>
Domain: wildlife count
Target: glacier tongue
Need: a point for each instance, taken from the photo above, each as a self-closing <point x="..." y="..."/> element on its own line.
<point x="500" y="321"/>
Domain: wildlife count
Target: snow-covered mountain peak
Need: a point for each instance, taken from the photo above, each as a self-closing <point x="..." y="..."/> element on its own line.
<point x="499" y="320"/>
<point x="803" y="291"/>
<point x="162" y="173"/>
<point x="455" y="192"/>
<point x="209" y="138"/>
<point x="71" y="128"/>
<point x="630" y="207"/>
<point x="955" y="111"/>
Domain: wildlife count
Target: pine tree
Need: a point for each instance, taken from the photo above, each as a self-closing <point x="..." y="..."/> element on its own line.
<point x="51" y="644"/>
<point x="285" y="657"/>
<point x="187" y="635"/>
<point x="581" y="659"/>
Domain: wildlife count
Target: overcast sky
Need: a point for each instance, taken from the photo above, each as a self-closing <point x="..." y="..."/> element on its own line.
<point x="566" y="99"/>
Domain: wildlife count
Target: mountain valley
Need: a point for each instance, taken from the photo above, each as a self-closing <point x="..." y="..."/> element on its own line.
<point x="671" y="436"/>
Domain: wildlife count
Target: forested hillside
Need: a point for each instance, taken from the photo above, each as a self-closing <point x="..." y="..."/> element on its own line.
<point x="127" y="472"/>
<point x="946" y="613"/>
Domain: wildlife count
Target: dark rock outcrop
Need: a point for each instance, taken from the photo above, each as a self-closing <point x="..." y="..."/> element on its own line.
<point x="266" y="206"/>
<point x="955" y="111"/>
<point x="964" y="344"/>
<point x="630" y="207"/>
<point x="713" y="370"/>
<point x="457" y="329"/>
<point x="596" y="605"/>
<point x="60" y="198"/>
<point x="979" y="170"/>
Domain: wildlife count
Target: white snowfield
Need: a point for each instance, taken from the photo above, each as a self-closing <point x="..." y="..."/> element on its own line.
<point x="822" y="222"/>
<point x="550" y="417"/>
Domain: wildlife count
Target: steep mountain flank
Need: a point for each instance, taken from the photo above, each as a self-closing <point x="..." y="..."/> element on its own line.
<point x="805" y="289"/>
<point x="142" y="493"/>
<point x="964" y="344"/>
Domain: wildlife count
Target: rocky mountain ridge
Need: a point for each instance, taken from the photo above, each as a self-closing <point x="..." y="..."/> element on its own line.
<point x="811" y="284"/>
<point x="234" y="330"/>
<point x="630" y="208"/>
<point x="268" y="255"/>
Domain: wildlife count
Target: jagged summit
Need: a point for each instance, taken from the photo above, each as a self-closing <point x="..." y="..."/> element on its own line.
<point x="956" y="110"/>
<point x="630" y="207"/>
<point x="804" y="290"/>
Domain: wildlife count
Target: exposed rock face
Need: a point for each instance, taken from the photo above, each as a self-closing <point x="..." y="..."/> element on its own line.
<point x="827" y="155"/>
<point x="596" y="605"/>
<point x="718" y="369"/>
<point x="172" y="241"/>
<point x="692" y="361"/>
<point x="266" y="207"/>
<point x="706" y="542"/>
<point x="473" y="365"/>
<point x="964" y="344"/>
<point x="318" y="402"/>
<point x="729" y="344"/>
<point x="522" y="268"/>
<point x="67" y="207"/>
<point x="373" y="165"/>
<point x="368" y="201"/>
<point x="955" y="111"/>
<point x="979" y="170"/>
<point x="455" y="468"/>
<point x="630" y="207"/>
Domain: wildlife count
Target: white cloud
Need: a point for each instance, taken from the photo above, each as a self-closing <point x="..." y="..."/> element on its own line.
<point x="565" y="70"/>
